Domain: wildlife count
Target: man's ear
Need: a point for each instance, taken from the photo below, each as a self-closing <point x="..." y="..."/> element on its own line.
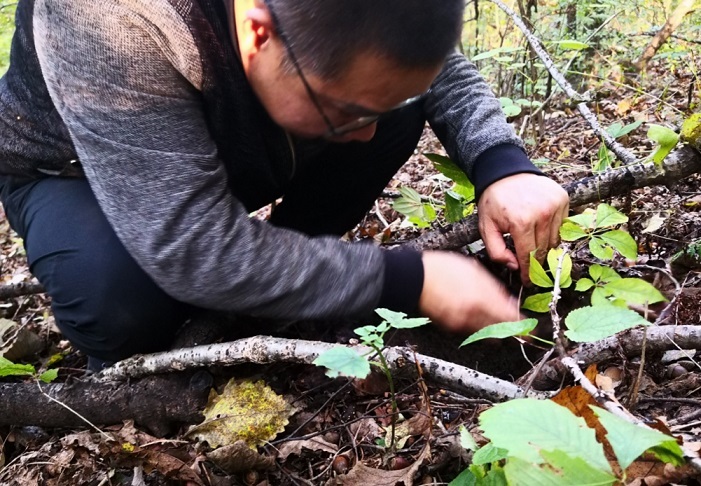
<point x="260" y="28"/>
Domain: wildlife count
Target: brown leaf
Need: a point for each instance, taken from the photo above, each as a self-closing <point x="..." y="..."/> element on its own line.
<point x="313" y="444"/>
<point x="239" y="457"/>
<point x="365" y="430"/>
<point x="362" y="475"/>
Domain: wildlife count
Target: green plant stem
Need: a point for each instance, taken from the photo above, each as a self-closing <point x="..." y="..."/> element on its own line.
<point x="393" y="398"/>
<point x="541" y="339"/>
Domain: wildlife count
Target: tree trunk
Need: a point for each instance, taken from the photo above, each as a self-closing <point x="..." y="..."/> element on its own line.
<point x="684" y="7"/>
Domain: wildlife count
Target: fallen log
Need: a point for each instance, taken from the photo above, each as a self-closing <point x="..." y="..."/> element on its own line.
<point x="659" y="339"/>
<point x="614" y="182"/>
<point x="266" y="349"/>
<point x="156" y="402"/>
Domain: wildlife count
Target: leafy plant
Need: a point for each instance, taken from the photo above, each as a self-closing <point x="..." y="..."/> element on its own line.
<point x="8" y="368"/>
<point x="539" y="276"/>
<point x="610" y="288"/>
<point x="346" y="361"/>
<point x="411" y="205"/>
<point x="542" y="442"/>
<point x="605" y="158"/>
<point x="460" y="198"/>
<point x="596" y="226"/>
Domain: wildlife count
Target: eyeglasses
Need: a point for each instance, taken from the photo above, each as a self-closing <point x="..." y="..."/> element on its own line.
<point x="333" y="131"/>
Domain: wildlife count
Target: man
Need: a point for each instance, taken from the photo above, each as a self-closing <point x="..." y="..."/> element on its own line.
<point x="137" y="136"/>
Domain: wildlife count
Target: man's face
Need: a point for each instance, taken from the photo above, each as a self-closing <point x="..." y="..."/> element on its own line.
<point x="370" y="85"/>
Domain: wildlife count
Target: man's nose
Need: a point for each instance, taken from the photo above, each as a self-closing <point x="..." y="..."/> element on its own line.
<point x="364" y="134"/>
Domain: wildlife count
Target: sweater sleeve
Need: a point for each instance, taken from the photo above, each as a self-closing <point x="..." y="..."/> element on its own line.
<point x="125" y="84"/>
<point x="468" y="120"/>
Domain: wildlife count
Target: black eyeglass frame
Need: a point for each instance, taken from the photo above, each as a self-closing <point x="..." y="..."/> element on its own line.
<point x="333" y="131"/>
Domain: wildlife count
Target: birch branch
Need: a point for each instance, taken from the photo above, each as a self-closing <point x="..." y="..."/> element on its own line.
<point x="10" y="291"/>
<point x="266" y="349"/>
<point x="613" y="182"/>
<point x="624" y="155"/>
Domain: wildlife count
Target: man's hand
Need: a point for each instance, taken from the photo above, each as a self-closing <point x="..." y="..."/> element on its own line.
<point x="530" y="207"/>
<point x="461" y="295"/>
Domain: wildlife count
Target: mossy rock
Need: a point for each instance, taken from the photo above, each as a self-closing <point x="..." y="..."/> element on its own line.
<point x="691" y="131"/>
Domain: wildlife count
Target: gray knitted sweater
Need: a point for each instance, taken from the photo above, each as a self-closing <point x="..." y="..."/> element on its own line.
<point x="125" y="80"/>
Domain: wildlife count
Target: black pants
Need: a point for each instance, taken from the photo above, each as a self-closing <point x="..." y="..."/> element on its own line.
<point x="107" y="307"/>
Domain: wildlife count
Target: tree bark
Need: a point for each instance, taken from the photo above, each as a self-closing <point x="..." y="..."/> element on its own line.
<point x="614" y="182"/>
<point x="156" y="402"/>
<point x="674" y="20"/>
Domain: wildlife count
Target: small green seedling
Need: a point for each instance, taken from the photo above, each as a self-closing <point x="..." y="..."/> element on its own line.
<point x="409" y="204"/>
<point x="596" y="226"/>
<point x="460" y="198"/>
<point x="539" y="276"/>
<point x="605" y="158"/>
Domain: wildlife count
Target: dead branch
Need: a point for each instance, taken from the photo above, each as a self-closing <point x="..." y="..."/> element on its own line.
<point x="155" y="402"/>
<point x="10" y="291"/>
<point x="266" y="349"/>
<point x="614" y="182"/>
<point x="629" y="343"/>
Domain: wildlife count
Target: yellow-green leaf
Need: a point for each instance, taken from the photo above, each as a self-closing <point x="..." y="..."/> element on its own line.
<point x="537" y="274"/>
<point x="666" y="138"/>
<point x="246" y="411"/>
<point x="538" y="302"/>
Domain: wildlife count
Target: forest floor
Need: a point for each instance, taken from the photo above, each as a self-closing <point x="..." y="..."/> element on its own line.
<point x="339" y="434"/>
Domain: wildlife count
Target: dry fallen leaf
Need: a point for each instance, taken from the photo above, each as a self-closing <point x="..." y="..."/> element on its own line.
<point x="239" y="457"/>
<point x="362" y="475"/>
<point x="246" y="411"/>
<point x="313" y="444"/>
<point x="365" y="430"/>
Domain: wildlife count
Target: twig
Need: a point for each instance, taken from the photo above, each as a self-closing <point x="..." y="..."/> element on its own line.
<point x="265" y="349"/>
<point x="558" y="335"/>
<point x="73" y="412"/>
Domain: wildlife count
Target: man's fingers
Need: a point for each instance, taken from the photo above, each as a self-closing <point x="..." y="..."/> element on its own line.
<point x="525" y="243"/>
<point x="497" y="250"/>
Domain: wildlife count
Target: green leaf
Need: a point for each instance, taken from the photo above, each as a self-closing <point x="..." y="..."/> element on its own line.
<point x="511" y="110"/>
<point x="49" y="375"/>
<point x="450" y="169"/>
<point x="607" y="216"/>
<point x="603" y="274"/>
<point x="622" y="242"/>
<point x="8" y="368"/>
<point x="617" y="129"/>
<point x="503" y="330"/>
<point x="537" y="274"/>
<point x="409" y="204"/>
<point x="604" y="160"/>
<point x="399" y="320"/>
<point x="538" y="302"/>
<point x="553" y="259"/>
<point x="589" y="324"/>
<point x="599" y="297"/>
<point x="560" y="470"/>
<point x="586" y="220"/>
<point x="572" y="45"/>
<point x="570" y="231"/>
<point x="599" y="249"/>
<point x="454" y="208"/>
<point x="634" y="291"/>
<point x="527" y="426"/>
<point x="666" y="138"/>
<point x="584" y="284"/>
<point x="465" y="478"/>
<point x="466" y="192"/>
<point x="489" y="454"/>
<point x="429" y="213"/>
<point x="341" y="360"/>
<point x="466" y="439"/>
<point x="629" y="441"/>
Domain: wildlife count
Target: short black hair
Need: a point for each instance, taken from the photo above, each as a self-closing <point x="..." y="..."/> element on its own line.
<point x="325" y="35"/>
